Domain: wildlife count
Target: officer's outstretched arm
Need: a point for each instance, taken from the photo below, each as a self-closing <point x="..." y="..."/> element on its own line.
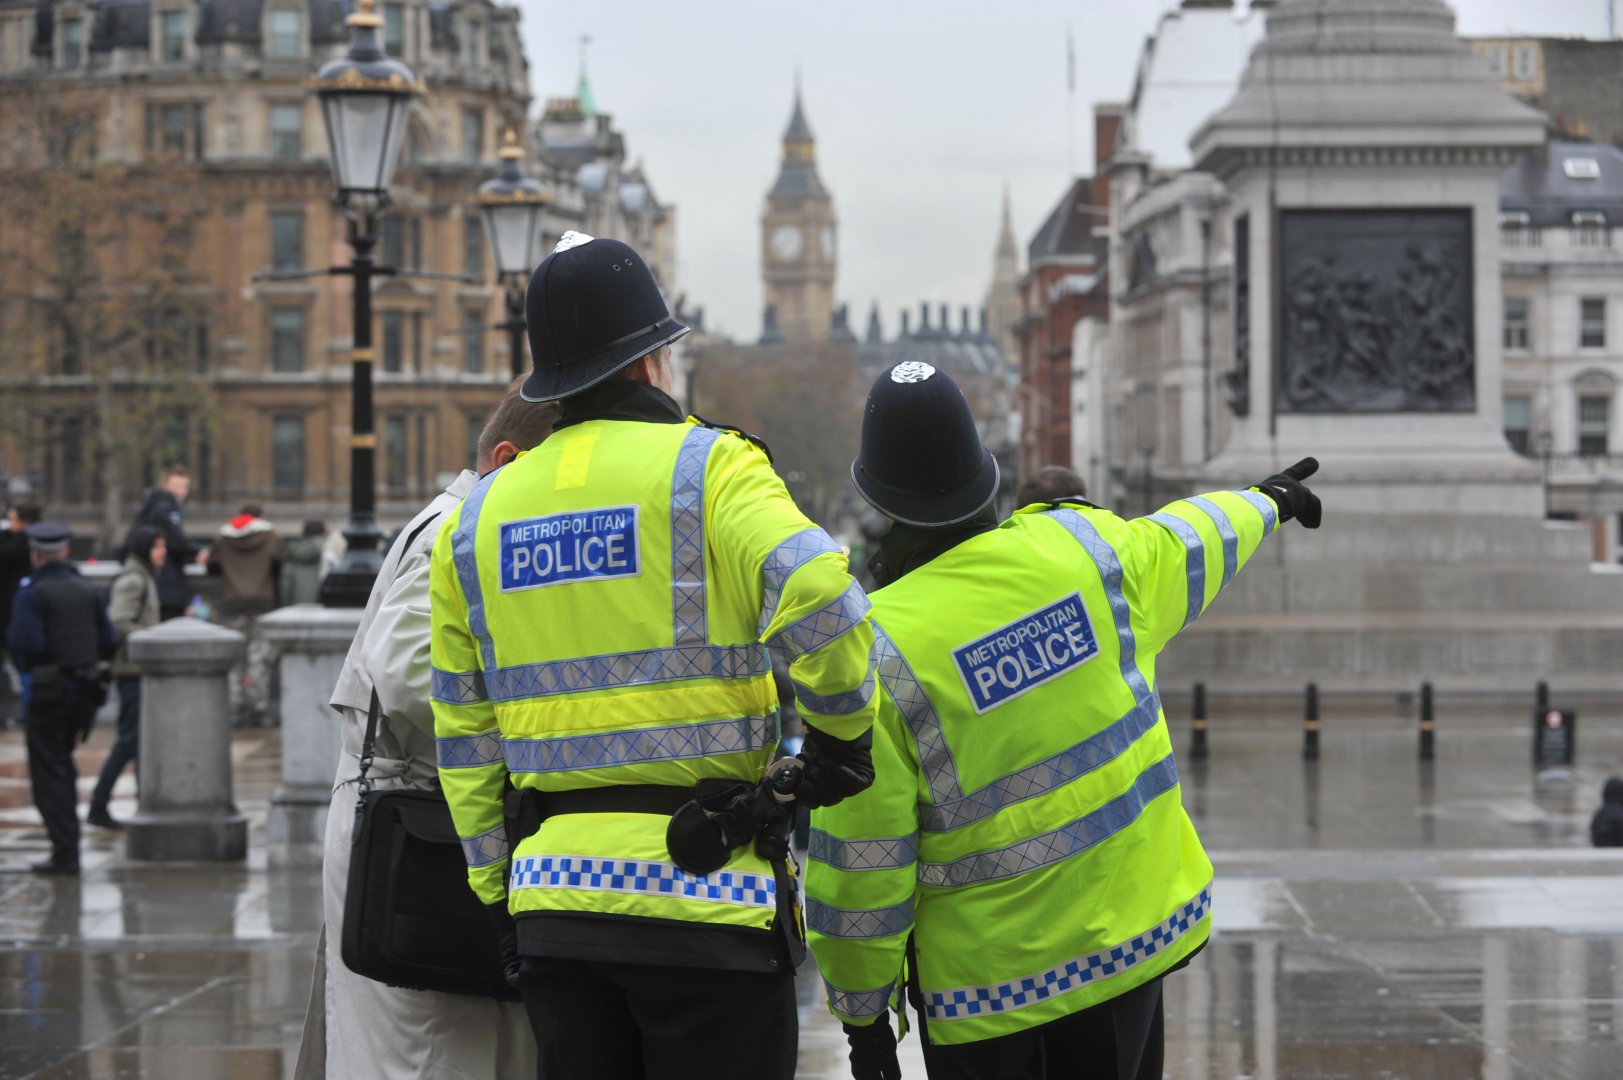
<point x="860" y="879"/>
<point x="1180" y="557"/>
<point x="472" y="771"/>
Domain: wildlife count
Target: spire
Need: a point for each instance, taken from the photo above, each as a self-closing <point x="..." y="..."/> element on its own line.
<point x="1005" y="236"/>
<point x="799" y="130"/>
<point x="583" y="88"/>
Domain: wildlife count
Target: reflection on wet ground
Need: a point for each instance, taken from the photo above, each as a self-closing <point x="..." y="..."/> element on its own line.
<point x="1374" y="918"/>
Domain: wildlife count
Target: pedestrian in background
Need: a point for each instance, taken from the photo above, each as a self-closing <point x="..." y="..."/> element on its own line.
<point x="356" y="1026"/>
<point x="248" y="557"/>
<point x="301" y="565"/>
<point x="1606" y="827"/>
<point x="133" y="606"/>
<point x="59" y="635"/>
<point x="1023" y="854"/>
<point x="162" y="509"/>
<point x="14" y="567"/>
<point x="1051" y="484"/>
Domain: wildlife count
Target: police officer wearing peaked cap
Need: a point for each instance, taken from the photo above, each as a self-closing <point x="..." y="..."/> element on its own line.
<point x="603" y="611"/>
<point x="59" y="634"/>
<point x="1049" y="878"/>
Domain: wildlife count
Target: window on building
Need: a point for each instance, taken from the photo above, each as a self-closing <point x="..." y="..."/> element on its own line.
<point x="419" y="458"/>
<point x="287" y="240"/>
<point x="70" y="137"/>
<point x="1518" y="422"/>
<point x="1594" y="423"/>
<point x="416" y="146"/>
<point x="1592" y="322"/>
<point x="394" y="29"/>
<point x="471" y="31"/>
<point x="400" y="242"/>
<point x="1516" y="322"/>
<point x="1516" y="229"/>
<point x="1498" y="60"/>
<point x="73" y="42"/>
<point x="394" y="452"/>
<point x="172" y="36"/>
<point x="473" y="245"/>
<point x="1524" y="63"/>
<point x="473" y="340"/>
<point x="417" y="342"/>
<point x="394" y="340"/>
<point x="175" y="131"/>
<point x="287" y="339"/>
<point x="284" y="36"/>
<point x="473" y="135"/>
<point x="287" y="455"/>
<point x="286" y="130"/>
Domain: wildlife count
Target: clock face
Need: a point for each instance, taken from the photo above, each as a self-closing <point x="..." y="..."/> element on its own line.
<point x="828" y="242"/>
<point x="787" y="243"/>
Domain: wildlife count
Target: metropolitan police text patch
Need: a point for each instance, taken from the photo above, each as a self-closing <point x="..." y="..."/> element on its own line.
<point x="1026" y="653"/>
<point x="581" y="545"/>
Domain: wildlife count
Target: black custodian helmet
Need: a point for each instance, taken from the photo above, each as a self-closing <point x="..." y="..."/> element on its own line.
<point x="593" y="308"/>
<point x="922" y="462"/>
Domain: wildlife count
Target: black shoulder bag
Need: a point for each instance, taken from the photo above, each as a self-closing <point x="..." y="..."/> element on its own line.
<point x="410" y="919"/>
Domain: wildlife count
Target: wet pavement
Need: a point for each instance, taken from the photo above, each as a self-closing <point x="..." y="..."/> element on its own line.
<point x="1374" y="918"/>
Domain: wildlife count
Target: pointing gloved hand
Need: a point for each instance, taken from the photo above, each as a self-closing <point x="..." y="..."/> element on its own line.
<point x="507" y="937"/>
<point x="873" y="1050"/>
<point x="835" y="769"/>
<point x="1292" y="496"/>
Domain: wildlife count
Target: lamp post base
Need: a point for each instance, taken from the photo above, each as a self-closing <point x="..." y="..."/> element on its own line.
<point x="350" y="583"/>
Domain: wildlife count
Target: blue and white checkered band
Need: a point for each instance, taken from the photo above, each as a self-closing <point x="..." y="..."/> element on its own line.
<point x="1098" y="749"/>
<point x="1194" y="560"/>
<point x="967" y="1001"/>
<point x="892" y="853"/>
<point x="457" y="687"/>
<point x="836" y="704"/>
<point x="687" y="537"/>
<point x="783" y="560"/>
<point x="589" y="873"/>
<point x="1225" y="529"/>
<point x="642" y="745"/>
<point x="627" y="669"/>
<point x="486" y="848"/>
<point x="1060" y="844"/>
<point x="822" y="626"/>
<point x="858" y="1002"/>
<point x="1265" y="506"/>
<point x="469" y="751"/>
<point x="465" y="557"/>
<point x="919" y="712"/>
<point x="864" y="923"/>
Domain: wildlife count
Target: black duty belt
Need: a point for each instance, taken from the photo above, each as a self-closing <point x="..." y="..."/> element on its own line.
<point x="526" y="808"/>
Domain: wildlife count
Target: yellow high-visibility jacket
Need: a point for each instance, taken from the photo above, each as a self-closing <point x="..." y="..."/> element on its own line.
<point x="602" y="608"/>
<point x="1025" y="823"/>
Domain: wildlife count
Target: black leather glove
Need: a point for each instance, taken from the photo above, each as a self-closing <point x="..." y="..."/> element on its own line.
<point x="835" y="769"/>
<point x="873" y="1050"/>
<point x="507" y="937"/>
<point x="772" y="842"/>
<point x="1292" y="496"/>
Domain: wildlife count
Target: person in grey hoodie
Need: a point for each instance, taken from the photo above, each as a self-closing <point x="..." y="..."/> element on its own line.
<point x="133" y="606"/>
<point x="248" y="557"/>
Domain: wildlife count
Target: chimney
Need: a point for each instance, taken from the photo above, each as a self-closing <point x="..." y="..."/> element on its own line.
<point x="905" y="331"/>
<point x="983" y="322"/>
<point x="946" y="319"/>
<point x="1107" y="120"/>
<point x="924" y="316"/>
<point x="964" y="325"/>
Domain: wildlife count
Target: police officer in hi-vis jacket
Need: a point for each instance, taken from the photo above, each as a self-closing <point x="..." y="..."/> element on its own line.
<point x="603" y="608"/>
<point x="1023" y="849"/>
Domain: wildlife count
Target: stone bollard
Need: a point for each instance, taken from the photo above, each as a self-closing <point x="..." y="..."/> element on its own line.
<point x="186" y="812"/>
<point x="312" y="642"/>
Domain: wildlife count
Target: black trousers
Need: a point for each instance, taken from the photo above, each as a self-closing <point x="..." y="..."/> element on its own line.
<point x="54" y="777"/>
<point x="1120" y="1039"/>
<point x="125" y="747"/>
<point x="595" y="1020"/>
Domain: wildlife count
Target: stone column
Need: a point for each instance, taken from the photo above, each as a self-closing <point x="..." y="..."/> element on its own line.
<point x="186" y="812"/>
<point x="312" y="642"/>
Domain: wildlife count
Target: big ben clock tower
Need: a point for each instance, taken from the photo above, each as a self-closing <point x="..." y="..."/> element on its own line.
<point x="797" y="239"/>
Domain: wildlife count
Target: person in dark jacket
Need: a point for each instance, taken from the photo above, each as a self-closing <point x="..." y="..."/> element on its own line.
<point x="1606" y="827"/>
<point x="162" y="509"/>
<point x="248" y="557"/>
<point x="59" y="634"/>
<point x="301" y="565"/>
<point x="134" y="606"/>
<point x="13" y="568"/>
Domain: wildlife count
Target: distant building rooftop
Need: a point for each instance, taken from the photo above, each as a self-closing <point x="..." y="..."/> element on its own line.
<point x="1551" y="184"/>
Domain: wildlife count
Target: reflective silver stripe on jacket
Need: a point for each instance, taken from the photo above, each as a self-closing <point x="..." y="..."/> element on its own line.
<point x="836" y="704"/>
<point x="916" y="708"/>
<point x="627" y="669"/>
<point x="966" y="1001"/>
<point x="822" y="626"/>
<point x="1225" y="529"/>
<point x="465" y="557"/>
<point x="457" y="687"/>
<point x="1265" y="506"/>
<point x="1194" y="560"/>
<point x="641" y="745"/>
<point x="1060" y="844"/>
<point x="687" y="537"/>
<point x="486" y="848"/>
<point x="782" y="561"/>
<point x="891" y="853"/>
<point x="836" y="922"/>
<point x="469" y="751"/>
<point x="857" y="1002"/>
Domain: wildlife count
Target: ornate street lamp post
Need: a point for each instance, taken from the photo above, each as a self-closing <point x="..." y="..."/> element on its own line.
<point x="365" y="97"/>
<point x="512" y="205"/>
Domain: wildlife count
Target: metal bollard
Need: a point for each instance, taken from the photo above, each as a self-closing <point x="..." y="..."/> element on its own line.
<point x="1541" y="697"/>
<point x="1310" y="724"/>
<point x="1428" y="724"/>
<point x="1197" y="725"/>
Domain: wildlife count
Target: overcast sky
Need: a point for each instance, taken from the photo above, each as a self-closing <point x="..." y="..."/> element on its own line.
<point x="922" y="109"/>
